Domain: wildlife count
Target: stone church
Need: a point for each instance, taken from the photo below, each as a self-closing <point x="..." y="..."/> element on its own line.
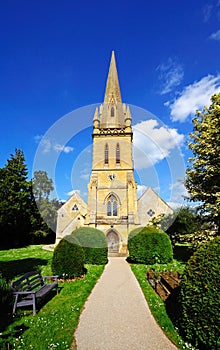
<point x="112" y="205"/>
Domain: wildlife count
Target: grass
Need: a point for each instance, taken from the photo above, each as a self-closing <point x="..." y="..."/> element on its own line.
<point x="15" y="262"/>
<point x="54" y="325"/>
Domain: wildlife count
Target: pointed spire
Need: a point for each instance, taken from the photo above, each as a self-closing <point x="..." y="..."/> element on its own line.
<point x="96" y="118"/>
<point x="112" y="85"/>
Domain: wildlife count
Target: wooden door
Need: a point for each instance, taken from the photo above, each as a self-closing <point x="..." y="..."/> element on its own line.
<point x="113" y="242"/>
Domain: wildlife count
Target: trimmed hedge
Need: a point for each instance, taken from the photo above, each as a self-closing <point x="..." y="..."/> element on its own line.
<point x="149" y="245"/>
<point x="200" y="302"/>
<point x="68" y="258"/>
<point x="94" y="243"/>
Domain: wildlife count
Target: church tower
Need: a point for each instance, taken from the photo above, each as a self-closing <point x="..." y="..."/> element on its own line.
<point x="112" y="197"/>
<point x="112" y="204"/>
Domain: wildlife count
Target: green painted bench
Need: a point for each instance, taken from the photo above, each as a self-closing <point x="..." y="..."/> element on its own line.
<point x="32" y="287"/>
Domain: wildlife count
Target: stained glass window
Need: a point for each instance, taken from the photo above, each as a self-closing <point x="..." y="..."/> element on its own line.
<point x="112" y="206"/>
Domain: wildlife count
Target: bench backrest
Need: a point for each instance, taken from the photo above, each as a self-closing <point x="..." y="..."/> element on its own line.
<point x="30" y="281"/>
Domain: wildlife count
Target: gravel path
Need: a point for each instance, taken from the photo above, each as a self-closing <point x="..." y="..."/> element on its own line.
<point x="116" y="315"/>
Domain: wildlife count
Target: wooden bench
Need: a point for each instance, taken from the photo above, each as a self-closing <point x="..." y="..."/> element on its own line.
<point x="31" y="287"/>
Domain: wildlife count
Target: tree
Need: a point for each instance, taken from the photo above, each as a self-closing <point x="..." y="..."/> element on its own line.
<point x="15" y="201"/>
<point x="45" y="215"/>
<point x="42" y="185"/>
<point x="180" y="226"/>
<point x="203" y="173"/>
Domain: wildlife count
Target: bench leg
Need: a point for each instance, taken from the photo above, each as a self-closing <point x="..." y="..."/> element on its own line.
<point x="34" y="304"/>
<point x="15" y="304"/>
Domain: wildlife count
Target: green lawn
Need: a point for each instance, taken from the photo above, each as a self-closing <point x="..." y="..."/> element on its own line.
<point x="15" y="262"/>
<point x="53" y="326"/>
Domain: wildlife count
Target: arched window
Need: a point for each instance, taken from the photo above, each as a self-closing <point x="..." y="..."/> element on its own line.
<point x="117" y="154"/>
<point x="106" y="154"/>
<point x="112" y="111"/>
<point x="112" y="206"/>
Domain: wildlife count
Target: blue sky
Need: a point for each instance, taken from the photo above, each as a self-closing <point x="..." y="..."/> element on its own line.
<point x="54" y="60"/>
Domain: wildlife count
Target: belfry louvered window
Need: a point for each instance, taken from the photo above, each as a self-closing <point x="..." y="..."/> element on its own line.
<point x="106" y="154"/>
<point x="112" y="206"/>
<point x="117" y="154"/>
<point x="112" y="111"/>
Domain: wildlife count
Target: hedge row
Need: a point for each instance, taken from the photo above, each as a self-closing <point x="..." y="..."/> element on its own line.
<point x="199" y="298"/>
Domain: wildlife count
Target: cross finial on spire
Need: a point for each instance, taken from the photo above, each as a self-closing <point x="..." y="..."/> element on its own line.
<point x="112" y="86"/>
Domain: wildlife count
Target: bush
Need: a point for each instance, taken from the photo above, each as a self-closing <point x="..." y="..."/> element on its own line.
<point x="68" y="258"/>
<point x="6" y="298"/>
<point x="200" y="289"/>
<point x="94" y="243"/>
<point x="149" y="245"/>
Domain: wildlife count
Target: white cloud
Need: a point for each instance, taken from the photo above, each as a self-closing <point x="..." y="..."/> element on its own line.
<point x="207" y="12"/>
<point x="85" y="173"/>
<point x="194" y="97"/>
<point x="140" y="190"/>
<point x="178" y="191"/>
<point x="37" y="138"/>
<point x="175" y="205"/>
<point x="61" y="148"/>
<point x="72" y="192"/>
<point x="215" y="35"/>
<point x="171" y="75"/>
<point x="48" y="146"/>
<point x="84" y="176"/>
<point x="153" y="143"/>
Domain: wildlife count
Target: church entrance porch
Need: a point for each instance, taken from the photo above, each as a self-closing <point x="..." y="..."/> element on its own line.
<point x="113" y="242"/>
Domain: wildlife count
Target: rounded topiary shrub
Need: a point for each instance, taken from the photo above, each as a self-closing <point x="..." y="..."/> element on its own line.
<point x="149" y="245"/>
<point x="94" y="243"/>
<point x="68" y="258"/>
<point x="199" y="296"/>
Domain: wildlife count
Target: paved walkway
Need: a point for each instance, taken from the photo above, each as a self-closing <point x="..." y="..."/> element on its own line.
<point x="116" y="315"/>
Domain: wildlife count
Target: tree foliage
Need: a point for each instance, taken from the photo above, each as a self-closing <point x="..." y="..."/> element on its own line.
<point x="15" y="201"/>
<point x="186" y="225"/>
<point x="42" y="185"/>
<point x="20" y="216"/>
<point x="203" y="173"/>
<point x="46" y="211"/>
<point x="180" y="225"/>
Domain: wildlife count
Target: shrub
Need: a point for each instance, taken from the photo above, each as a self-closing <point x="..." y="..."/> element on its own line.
<point x="149" y="246"/>
<point x="134" y="232"/>
<point x="6" y="297"/>
<point x="94" y="243"/>
<point x="68" y="258"/>
<point x="39" y="237"/>
<point x="200" y="288"/>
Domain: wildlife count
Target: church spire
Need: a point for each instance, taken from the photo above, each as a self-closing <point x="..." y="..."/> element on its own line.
<point x="112" y="91"/>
